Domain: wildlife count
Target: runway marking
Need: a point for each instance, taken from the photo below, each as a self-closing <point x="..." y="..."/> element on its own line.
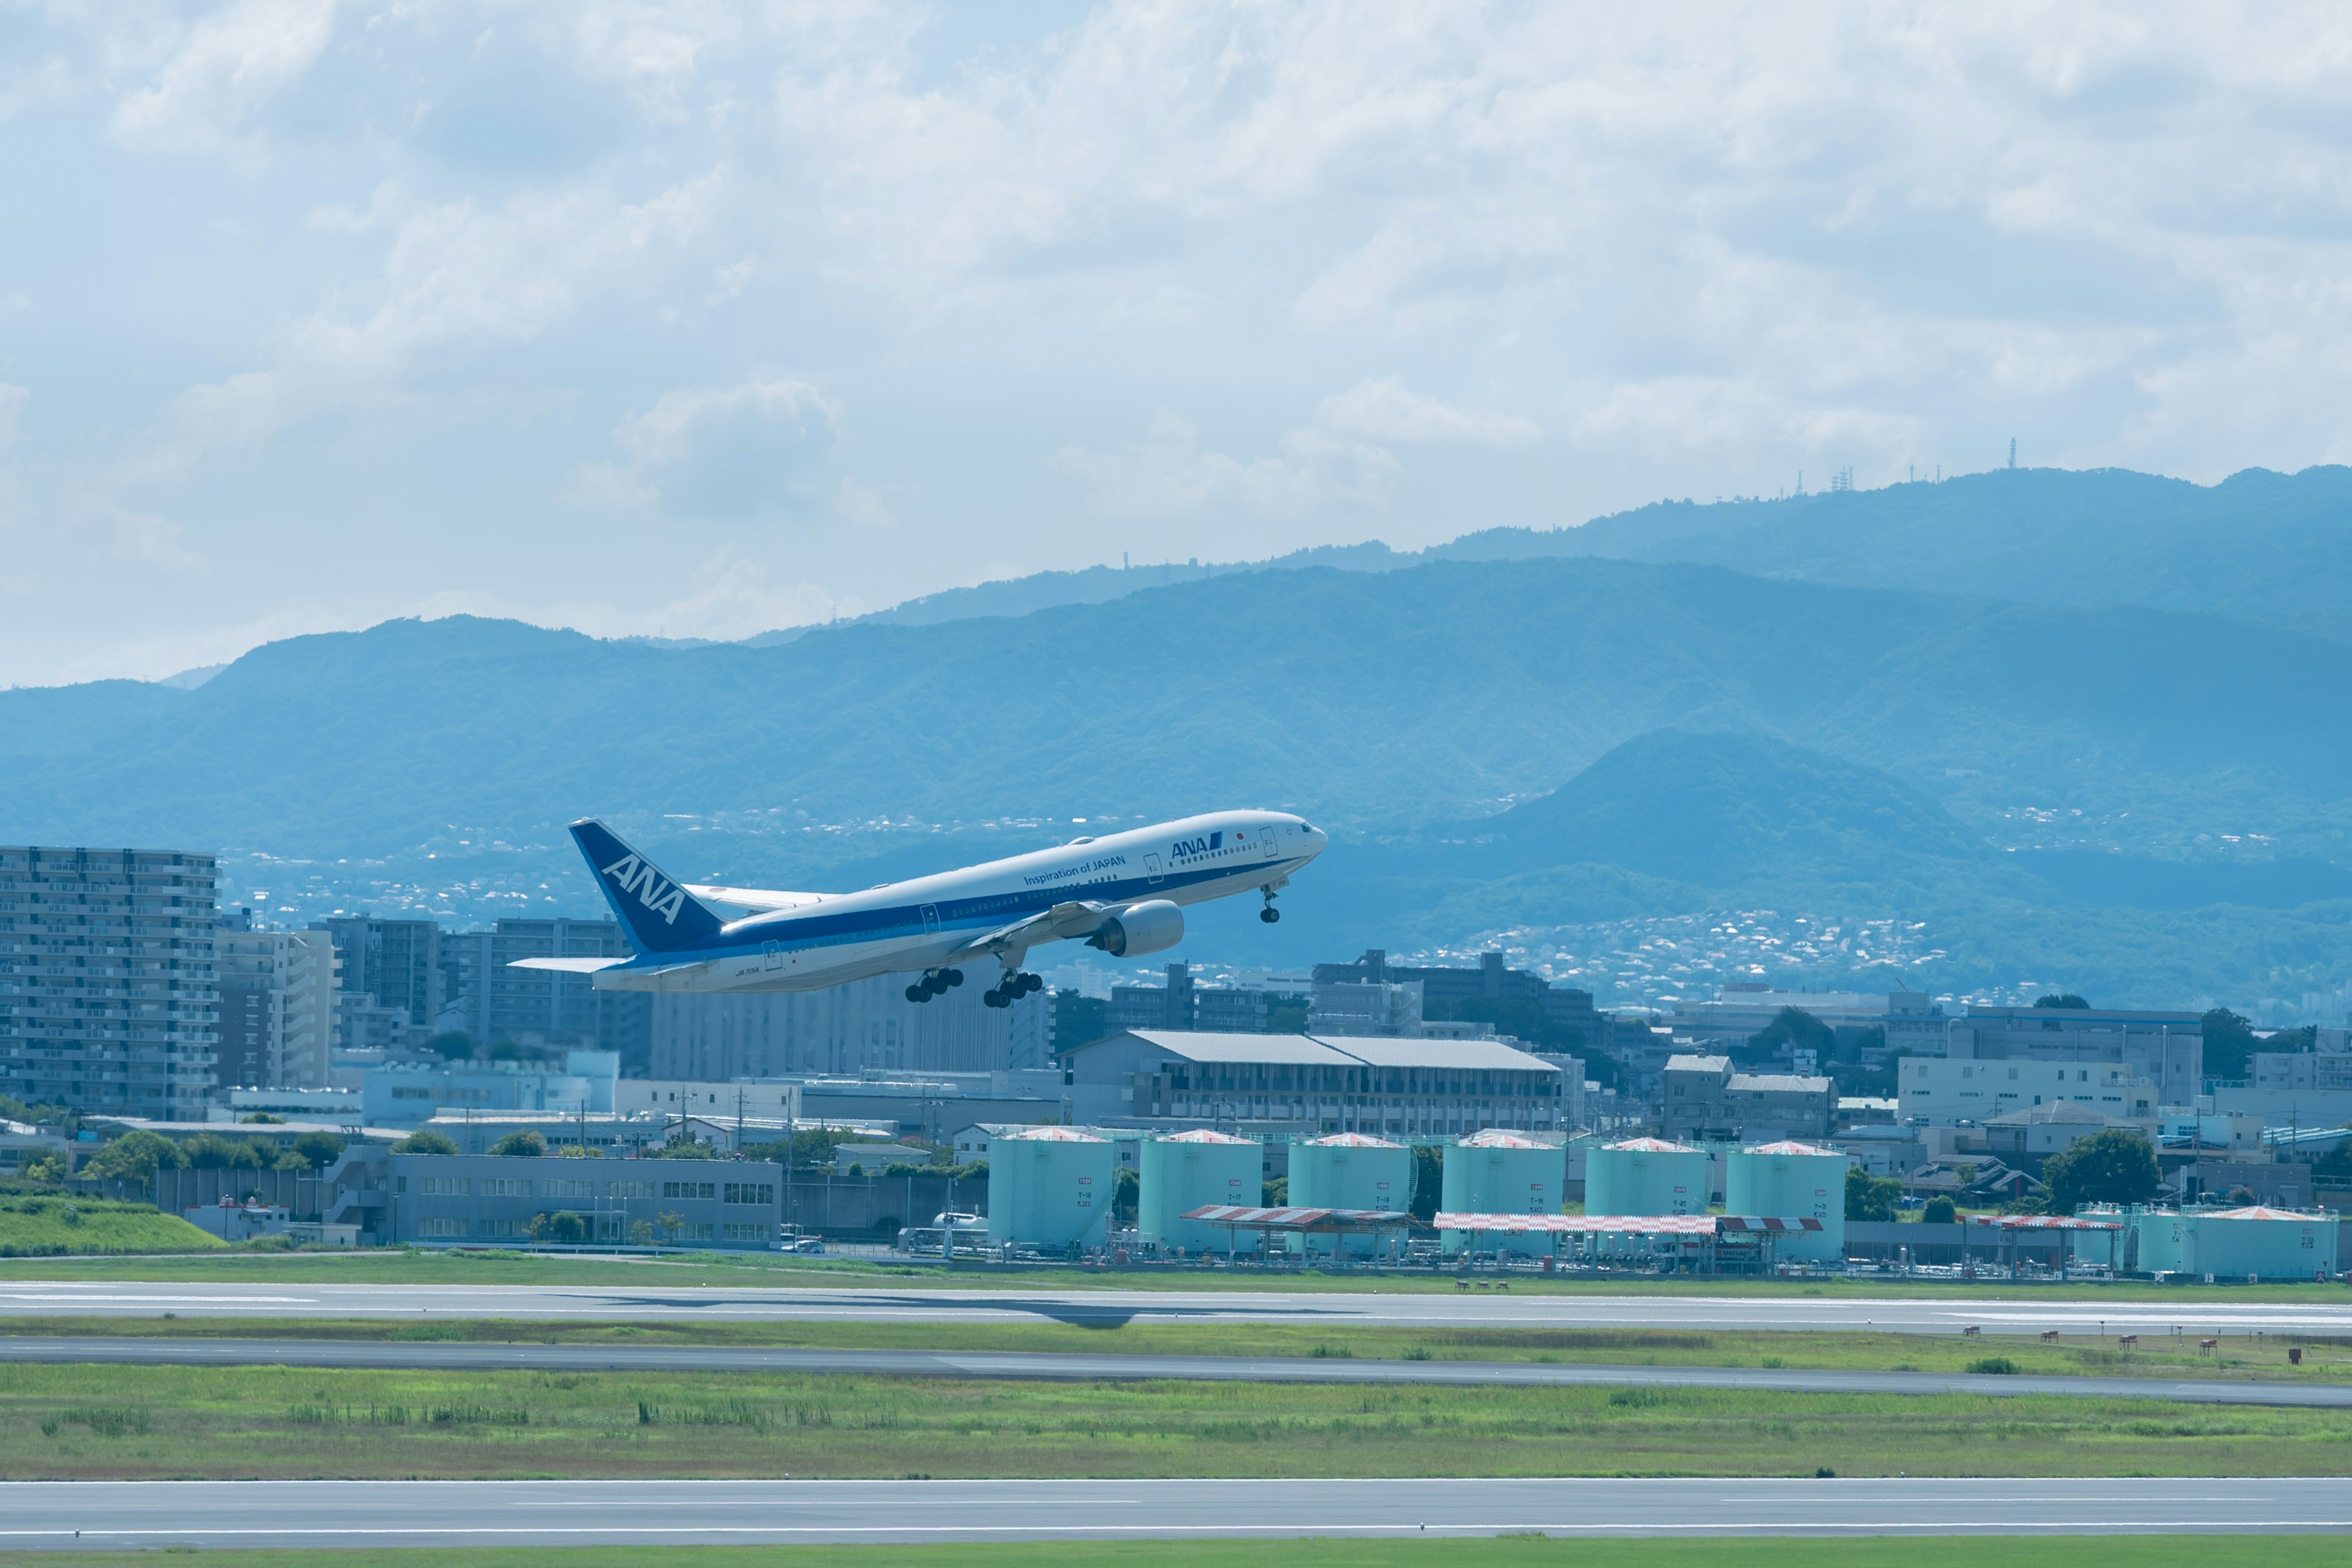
<point x="1757" y="1526"/>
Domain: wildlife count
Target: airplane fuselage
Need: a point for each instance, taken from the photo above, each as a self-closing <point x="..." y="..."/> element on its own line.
<point x="904" y="927"/>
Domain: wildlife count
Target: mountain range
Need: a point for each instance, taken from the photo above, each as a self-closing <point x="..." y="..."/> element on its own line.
<point x="2066" y="756"/>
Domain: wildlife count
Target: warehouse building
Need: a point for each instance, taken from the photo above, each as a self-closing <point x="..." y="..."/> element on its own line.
<point x="696" y="1203"/>
<point x="1311" y="1085"/>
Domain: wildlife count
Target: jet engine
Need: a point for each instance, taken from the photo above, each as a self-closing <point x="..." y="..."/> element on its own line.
<point x="1151" y="927"/>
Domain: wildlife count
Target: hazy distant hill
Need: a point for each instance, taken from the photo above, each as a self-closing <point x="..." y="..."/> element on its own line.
<point x="2260" y="545"/>
<point x="1401" y="697"/>
<point x="1828" y="748"/>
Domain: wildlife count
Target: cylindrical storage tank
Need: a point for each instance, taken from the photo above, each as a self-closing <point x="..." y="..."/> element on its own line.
<point x="1644" y="1176"/>
<point x="2260" y="1243"/>
<point x="1186" y="1170"/>
<point x="2155" y="1241"/>
<point x="1050" y="1186"/>
<point x="1502" y="1173"/>
<point x="1791" y="1180"/>
<point x="1349" y="1170"/>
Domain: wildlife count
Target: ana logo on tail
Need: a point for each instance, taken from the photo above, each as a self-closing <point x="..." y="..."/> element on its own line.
<point x="656" y="892"/>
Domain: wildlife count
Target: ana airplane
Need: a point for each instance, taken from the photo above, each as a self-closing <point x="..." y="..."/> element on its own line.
<point x="1122" y="893"/>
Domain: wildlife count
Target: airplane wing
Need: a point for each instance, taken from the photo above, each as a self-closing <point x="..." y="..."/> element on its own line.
<point x="1062" y="921"/>
<point x="755" y="900"/>
<point x="566" y="965"/>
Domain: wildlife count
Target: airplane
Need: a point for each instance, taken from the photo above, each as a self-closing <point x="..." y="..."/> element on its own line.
<point x="1120" y="892"/>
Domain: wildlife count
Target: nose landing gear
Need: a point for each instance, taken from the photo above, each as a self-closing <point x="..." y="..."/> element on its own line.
<point x="934" y="982"/>
<point x="1269" y="914"/>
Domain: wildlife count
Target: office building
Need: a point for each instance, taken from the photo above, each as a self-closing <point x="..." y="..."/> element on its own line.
<point x="1184" y="1005"/>
<point x="2165" y="1048"/>
<point x="108" y="999"/>
<point x="866" y="1026"/>
<point x="395" y="963"/>
<point x="1702" y="1101"/>
<point x="278" y="1009"/>
<point x="487" y="998"/>
<point x="1310" y="1084"/>
<point x="1443" y="987"/>
<point x="1950" y="1091"/>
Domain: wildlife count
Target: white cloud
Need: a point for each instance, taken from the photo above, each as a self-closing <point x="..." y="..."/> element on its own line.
<point x="1385" y="410"/>
<point x="726" y="451"/>
<point x="230" y="64"/>
<point x="1166" y="475"/>
<point x="863" y="506"/>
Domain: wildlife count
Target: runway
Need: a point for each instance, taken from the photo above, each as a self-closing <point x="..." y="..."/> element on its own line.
<point x="118" y="1514"/>
<point x="1059" y="1368"/>
<point x="1521" y="1309"/>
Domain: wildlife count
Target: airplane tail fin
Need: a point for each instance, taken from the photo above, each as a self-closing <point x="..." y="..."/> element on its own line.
<point x="659" y="915"/>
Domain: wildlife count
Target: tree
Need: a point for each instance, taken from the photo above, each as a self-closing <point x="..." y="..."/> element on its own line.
<point x="1078" y="1020"/>
<point x="425" y="1141"/>
<point x="451" y="1044"/>
<point x="1428" y="1182"/>
<point x="1798" y="1030"/>
<point x="1869" y="1197"/>
<point x="577" y="1151"/>
<point x="522" y="1142"/>
<point x="559" y="1225"/>
<point x="2068" y="1000"/>
<point x="1275" y="1194"/>
<point x="318" y="1150"/>
<point x="2114" y="1165"/>
<point x="2229" y="1045"/>
<point x="687" y="1148"/>
<point x="211" y="1152"/>
<point x="1125" y="1194"/>
<point x="1939" y="1210"/>
<point x="263" y="1116"/>
<point x="47" y="1169"/>
<point x="135" y="1154"/>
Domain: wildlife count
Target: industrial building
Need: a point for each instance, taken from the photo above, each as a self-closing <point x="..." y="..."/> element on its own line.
<point x="2254" y="1243"/>
<point x="1500" y="1173"/>
<point x="483" y="994"/>
<point x="109" y="1000"/>
<point x="1186" y="1171"/>
<point x="1349" y="1170"/>
<point x="1050" y="1187"/>
<point x="1183" y="1005"/>
<point x="1788" y="1180"/>
<point x="2165" y="1048"/>
<point x="844" y="1031"/>
<point x="1645" y="1177"/>
<point x="1306" y="1085"/>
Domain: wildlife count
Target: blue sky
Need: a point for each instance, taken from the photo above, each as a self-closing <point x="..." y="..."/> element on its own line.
<point x="697" y="320"/>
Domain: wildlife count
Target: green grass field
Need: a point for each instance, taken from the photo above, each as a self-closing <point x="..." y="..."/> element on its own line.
<point x="1504" y="1551"/>
<point x="276" y="1423"/>
<point x="30" y="1226"/>
<point x="2236" y="1356"/>
<point x="740" y="1269"/>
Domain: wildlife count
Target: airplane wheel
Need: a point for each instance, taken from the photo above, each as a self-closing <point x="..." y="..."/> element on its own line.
<point x="917" y="993"/>
<point x="1269" y="914"/>
<point x="994" y="998"/>
<point x="952" y="976"/>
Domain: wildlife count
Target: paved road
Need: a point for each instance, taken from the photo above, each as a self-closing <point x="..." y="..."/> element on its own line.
<point x="1059" y="1368"/>
<point x="1520" y="1310"/>
<point x="118" y="1514"/>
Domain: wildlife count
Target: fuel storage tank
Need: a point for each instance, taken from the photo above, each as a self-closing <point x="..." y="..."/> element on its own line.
<point x="1791" y="1180"/>
<point x="1186" y="1170"/>
<point x="1644" y="1176"/>
<point x="1497" y="1172"/>
<point x="1049" y="1186"/>
<point x="1349" y="1170"/>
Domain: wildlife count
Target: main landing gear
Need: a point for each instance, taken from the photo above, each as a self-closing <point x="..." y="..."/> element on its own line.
<point x="1013" y="988"/>
<point x="934" y="982"/>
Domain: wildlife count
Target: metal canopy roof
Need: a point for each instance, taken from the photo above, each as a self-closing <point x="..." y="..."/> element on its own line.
<point x="1318" y="1221"/>
<point x="1464" y="1056"/>
<point x="1276" y="1050"/>
<point x="1623" y="1224"/>
<point x="2043" y="1222"/>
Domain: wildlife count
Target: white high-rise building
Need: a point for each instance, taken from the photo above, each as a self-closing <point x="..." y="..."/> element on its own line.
<point x="278" y="995"/>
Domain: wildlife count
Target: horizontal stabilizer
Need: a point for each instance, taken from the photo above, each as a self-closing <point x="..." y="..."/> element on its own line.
<point x="757" y="901"/>
<point x="567" y="965"/>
